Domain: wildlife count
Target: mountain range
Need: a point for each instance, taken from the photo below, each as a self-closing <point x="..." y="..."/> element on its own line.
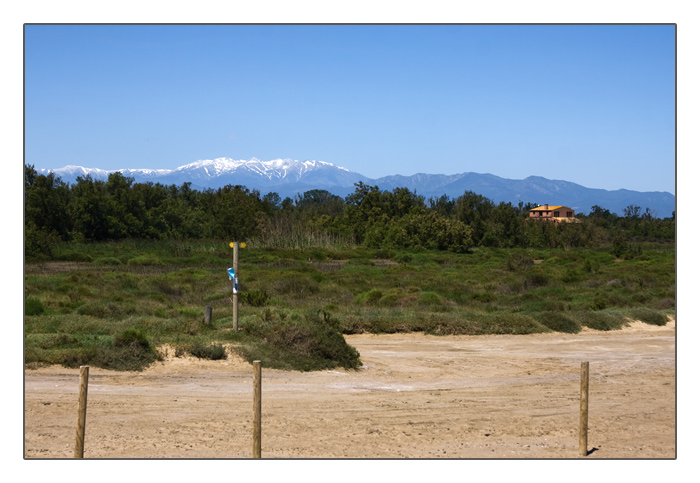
<point x="289" y="177"/>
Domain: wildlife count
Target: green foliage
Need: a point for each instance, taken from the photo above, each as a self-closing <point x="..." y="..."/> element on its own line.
<point x="119" y="209"/>
<point x="212" y="352"/>
<point x="479" y="324"/>
<point x="489" y="290"/>
<point x="620" y="246"/>
<point x="558" y="322"/>
<point x="146" y="260"/>
<point x="254" y="298"/>
<point x="110" y="261"/>
<point x="313" y="342"/>
<point x="649" y="316"/>
<point x="132" y="350"/>
<point x="430" y="299"/>
<point x="33" y="306"/>
<point x="518" y="262"/>
<point x="599" y="320"/>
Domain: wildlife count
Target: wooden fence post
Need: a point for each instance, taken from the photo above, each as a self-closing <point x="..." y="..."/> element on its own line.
<point x="583" y="422"/>
<point x="257" y="406"/>
<point x="82" y="411"/>
<point x="207" y="314"/>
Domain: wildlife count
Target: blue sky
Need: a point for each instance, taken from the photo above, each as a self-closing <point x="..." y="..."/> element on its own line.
<point x="592" y="104"/>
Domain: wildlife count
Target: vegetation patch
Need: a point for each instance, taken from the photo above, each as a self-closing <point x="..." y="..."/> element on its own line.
<point x="212" y="352"/>
<point x="313" y="342"/>
<point x="33" y="306"/>
<point x="558" y="322"/>
<point x="649" y="316"/>
<point x="74" y="312"/>
<point x="601" y="320"/>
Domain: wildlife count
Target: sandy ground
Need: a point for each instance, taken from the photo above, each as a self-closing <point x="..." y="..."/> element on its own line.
<point x="416" y="396"/>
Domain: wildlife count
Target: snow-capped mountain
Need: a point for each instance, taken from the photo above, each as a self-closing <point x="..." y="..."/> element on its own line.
<point x="214" y="173"/>
<point x="289" y="177"/>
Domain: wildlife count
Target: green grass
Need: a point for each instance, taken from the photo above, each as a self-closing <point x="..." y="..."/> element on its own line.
<point x="295" y="305"/>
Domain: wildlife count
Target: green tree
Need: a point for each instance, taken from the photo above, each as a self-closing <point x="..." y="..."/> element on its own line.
<point x="474" y="210"/>
<point x="47" y="203"/>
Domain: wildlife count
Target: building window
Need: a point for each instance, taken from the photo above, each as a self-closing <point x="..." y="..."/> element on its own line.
<point x="556" y="214"/>
<point x="569" y="214"/>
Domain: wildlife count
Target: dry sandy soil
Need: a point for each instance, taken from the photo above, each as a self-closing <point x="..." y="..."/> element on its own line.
<point x="416" y="396"/>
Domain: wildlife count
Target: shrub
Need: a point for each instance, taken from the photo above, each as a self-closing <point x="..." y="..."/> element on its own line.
<point x="33" y="306"/>
<point x="313" y="342"/>
<point x="384" y="254"/>
<point x="666" y="303"/>
<point x="133" y="338"/>
<point x="145" y="260"/>
<point x="429" y="299"/>
<point x="131" y="351"/>
<point x="496" y="323"/>
<point x="107" y="261"/>
<point x="483" y="297"/>
<point x="518" y="262"/>
<point x="649" y="316"/>
<point x="404" y="258"/>
<point x="599" y="320"/>
<point x="254" y="298"/>
<point x="295" y="285"/>
<point x="74" y="257"/>
<point x="212" y="352"/>
<point x="535" y="280"/>
<point x="370" y="297"/>
<point x="109" y="310"/>
<point x="558" y="322"/>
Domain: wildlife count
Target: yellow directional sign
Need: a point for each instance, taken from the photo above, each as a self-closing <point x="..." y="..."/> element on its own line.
<point x="242" y="245"/>
<point x="231" y="244"/>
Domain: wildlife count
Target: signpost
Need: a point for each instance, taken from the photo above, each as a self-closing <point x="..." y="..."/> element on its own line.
<point x="233" y="275"/>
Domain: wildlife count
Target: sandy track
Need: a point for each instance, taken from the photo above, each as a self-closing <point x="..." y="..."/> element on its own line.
<point x="416" y="396"/>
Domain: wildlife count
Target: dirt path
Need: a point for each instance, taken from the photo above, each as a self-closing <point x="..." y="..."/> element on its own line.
<point x="416" y="396"/>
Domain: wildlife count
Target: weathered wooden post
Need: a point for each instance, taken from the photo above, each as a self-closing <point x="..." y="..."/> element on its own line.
<point x="235" y="289"/>
<point x="583" y="423"/>
<point x="82" y="412"/>
<point x="257" y="407"/>
<point x="207" y="314"/>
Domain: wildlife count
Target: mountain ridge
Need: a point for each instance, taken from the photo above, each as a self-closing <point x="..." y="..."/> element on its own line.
<point x="289" y="177"/>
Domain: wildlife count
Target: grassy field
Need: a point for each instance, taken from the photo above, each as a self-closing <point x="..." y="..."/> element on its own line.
<point x="115" y="305"/>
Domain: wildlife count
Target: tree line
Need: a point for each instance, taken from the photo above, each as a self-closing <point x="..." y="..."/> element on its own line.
<point x="95" y="210"/>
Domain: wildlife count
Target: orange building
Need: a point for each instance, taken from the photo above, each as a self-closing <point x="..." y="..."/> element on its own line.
<point x="556" y="214"/>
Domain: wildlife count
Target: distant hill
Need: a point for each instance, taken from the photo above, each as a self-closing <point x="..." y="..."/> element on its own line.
<point x="289" y="177"/>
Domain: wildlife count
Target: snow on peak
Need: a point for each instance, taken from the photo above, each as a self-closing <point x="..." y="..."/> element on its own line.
<point x="275" y="168"/>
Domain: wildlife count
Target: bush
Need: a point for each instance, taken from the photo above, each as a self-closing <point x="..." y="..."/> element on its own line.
<point x="649" y="316"/>
<point x="558" y="322"/>
<point x="518" y="262"/>
<point x="133" y="338"/>
<point x="131" y="351"/>
<point x="33" y="306"/>
<point x="295" y="285"/>
<point x="107" y="261"/>
<point x="535" y="280"/>
<point x="370" y="297"/>
<point x="313" y="342"/>
<point x="145" y="261"/>
<point x="429" y="299"/>
<point x="254" y="298"/>
<point x="109" y="310"/>
<point x="74" y="257"/>
<point x="476" y="324"/>
<point x="212" y="352"/>
<point x="599" y="320"/>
